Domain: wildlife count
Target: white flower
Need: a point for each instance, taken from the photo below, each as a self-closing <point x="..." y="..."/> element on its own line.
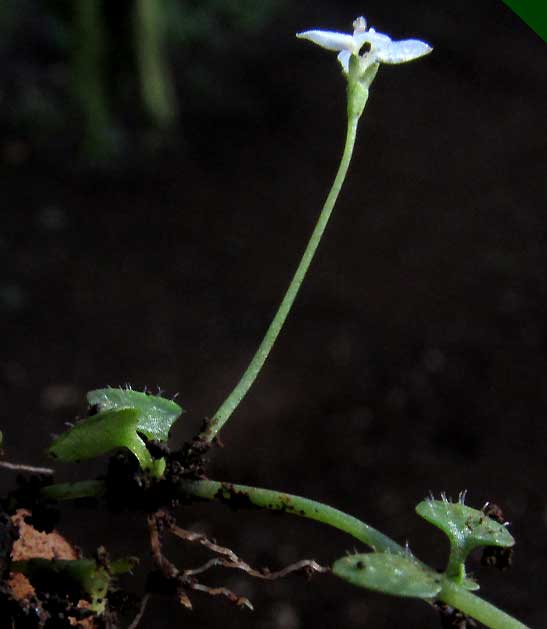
<point x="382" y="48"/>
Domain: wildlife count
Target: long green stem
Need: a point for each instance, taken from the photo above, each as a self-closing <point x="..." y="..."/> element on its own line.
<point x="242" y="495"/>
<point x="233" y="400"/>
<point x="245" y="496"/>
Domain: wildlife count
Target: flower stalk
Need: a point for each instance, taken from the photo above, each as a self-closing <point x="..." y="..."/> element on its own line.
<point x="233" y="400"/>
<point x="360" y="70"/>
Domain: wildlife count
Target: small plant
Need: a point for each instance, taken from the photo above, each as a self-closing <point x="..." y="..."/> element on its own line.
<point x="146" y="475"/>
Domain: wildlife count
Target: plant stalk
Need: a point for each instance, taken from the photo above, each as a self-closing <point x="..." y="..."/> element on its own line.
<point x="236" y="396"/>
<point x="472" y="605"/>
<point x="244" y="496"/>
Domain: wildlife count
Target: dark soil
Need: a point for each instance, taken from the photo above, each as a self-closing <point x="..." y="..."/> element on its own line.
<point x="415" y="359"/>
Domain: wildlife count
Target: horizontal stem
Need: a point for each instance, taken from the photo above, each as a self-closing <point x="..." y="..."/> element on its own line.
<point x="243" y="495"/>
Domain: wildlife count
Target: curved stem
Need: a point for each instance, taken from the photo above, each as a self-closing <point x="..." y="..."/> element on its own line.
<point x="241" y="496"/>
<point x="244" y="496"/>
<point x="233" y="400"/>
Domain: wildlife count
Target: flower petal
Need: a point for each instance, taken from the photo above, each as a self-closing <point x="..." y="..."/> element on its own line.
<point x="402" y="51"/>
<point x="375" y="39"/>
<point x="331" y="40"/>
<point x="343" y="58"/>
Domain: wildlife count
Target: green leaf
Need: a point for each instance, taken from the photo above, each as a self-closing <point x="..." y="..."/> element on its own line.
<point x="100" y="434"/>
<point x="470" y="584"/>
<point x="123" y="414"/>
<point x="156" y="414"/>
<point x="466" y="529"/>
<point x="78" y="578"/>
<point x="398" y="575"/>
<point x="123" y="565"/>
<point x="71" y="491"/>
<point x="465" y="525"/>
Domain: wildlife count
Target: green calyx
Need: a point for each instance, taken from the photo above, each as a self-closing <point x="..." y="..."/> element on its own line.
<point x="359" y="82"/>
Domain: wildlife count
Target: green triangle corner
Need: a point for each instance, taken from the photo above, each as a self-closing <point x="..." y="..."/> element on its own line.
<point x="533" y="12"/>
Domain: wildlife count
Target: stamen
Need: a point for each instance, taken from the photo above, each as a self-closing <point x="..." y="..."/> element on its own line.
<point x="359" y="25"/>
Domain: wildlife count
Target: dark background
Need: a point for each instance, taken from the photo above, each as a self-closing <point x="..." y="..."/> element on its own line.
<point x="414" y="360"/>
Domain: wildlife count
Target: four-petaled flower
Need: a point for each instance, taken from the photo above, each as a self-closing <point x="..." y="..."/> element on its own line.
<point x="382" y="49"/>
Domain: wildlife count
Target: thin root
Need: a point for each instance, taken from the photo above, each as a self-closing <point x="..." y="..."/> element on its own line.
<point x="233" y="561"/>
<point x="31" y="469"/>
<point x="140" y="614"/>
